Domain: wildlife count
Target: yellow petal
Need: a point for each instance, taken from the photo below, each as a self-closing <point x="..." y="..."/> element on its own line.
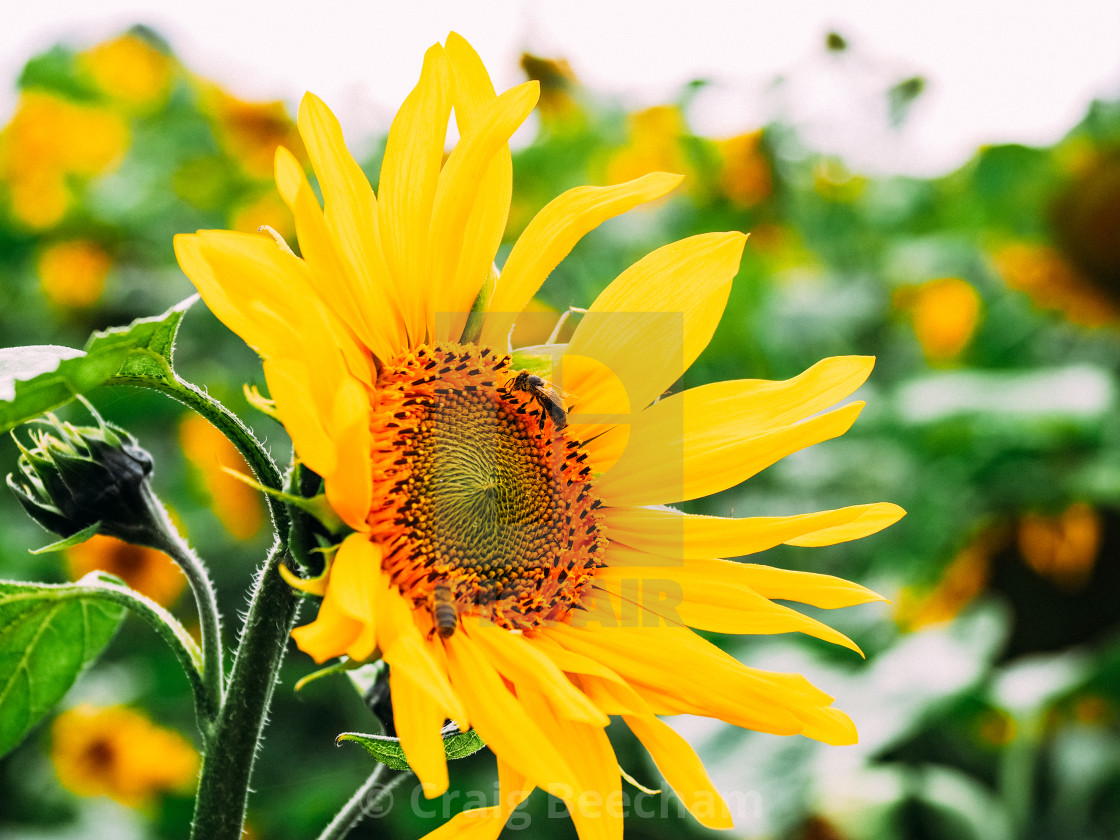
<point x="457" y="198"/>
<point x="312" y="586"/>
<point x="823" y="591"/>
<point x="418" y="719"/>
<point x="717" y="685"/>
<point x="688" y="594"/>
<point x="349" y="486"/>
<point x="598" y="403"/>
<point x="668" y="304"/>
<point x="252" y="286"/>
<point x="672" y="533"/>
<point x="606" y="689"/>
<point x="474" y="92"/>
<point x="671" y="458"/>
<point x="526" y="667"/>
<point x="327" y="418"/>
<point x="277" y="309"/>
<point x="487" y="823"/>
<point x="707" y="439"/>
<point x="328" y="635"/>
<point x="551" y="234"/>
<point x="614" y="698"/>
<point x="502" y="721"/>
<point x="350" y="209"/>
<point x="486" y="226"/>
<point x="406" y="650"/>
<point x="188" y="251"/>
<point x="288" y="383"/>
<point x="354" y="581"/>
<point x="596" y="805"/>
<point x="873" y="520"/>
<point x="682" y="769"/>
<point x="335" y="279"/>
<point x="409" y="177"/>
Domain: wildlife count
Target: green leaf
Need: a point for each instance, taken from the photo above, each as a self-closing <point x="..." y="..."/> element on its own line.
<point x="49" y="634"/>
<point x="388" y="750"/>
<point x="146" y="344"/>
<point x="38" y="379"/>
<point x="66" y="542"/>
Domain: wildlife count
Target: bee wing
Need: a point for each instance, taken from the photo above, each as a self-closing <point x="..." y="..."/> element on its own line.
<point x="559" y="394"/>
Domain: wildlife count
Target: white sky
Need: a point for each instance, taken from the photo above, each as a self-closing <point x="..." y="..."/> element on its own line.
<point x="998" y="70"/>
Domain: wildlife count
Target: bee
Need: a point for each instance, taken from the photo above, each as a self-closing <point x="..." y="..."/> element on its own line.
<point x="548" y="397"/>
<point x="444" y="612"/>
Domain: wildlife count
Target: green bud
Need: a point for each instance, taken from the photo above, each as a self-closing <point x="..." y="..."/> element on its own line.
<point x="73" y="477"/>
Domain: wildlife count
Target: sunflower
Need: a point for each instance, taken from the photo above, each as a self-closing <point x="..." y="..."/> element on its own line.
<point x="512" y="560"/>
<point x="120" y="753"/>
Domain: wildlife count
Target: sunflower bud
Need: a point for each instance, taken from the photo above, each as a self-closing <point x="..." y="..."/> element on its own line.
<point x="75" y="477"/>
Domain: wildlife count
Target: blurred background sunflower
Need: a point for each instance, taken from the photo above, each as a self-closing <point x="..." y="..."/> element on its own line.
<point x="937" y="185"/>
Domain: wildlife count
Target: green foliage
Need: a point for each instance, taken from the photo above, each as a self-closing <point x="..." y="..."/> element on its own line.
<point x="35" y="380"/>
<point x="48" y="636"/>
<point x="1017" y="424"/>
<point x="388" y="750"/>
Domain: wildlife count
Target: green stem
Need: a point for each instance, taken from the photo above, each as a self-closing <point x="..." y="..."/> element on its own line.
<point x="172" y="543"/>
<point x="223" y="789"/>
<point x="366" y="802"/>
<point x="235" y="736"/>
<point x="171" y="631"/>
<point x="257" y="457"/>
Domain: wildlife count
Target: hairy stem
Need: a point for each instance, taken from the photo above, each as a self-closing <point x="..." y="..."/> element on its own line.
<point x="223" y="789"/>
<point x="172" y="543"/>
<point x="171" y="631"/>
<point x="229" y="424"/>
<point x="367" y="801"/>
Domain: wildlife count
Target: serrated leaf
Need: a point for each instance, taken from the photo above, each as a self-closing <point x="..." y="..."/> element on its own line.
<point x="48" y="635"/>
<point x="388" y="750"/>
<point x="38" y="379"/>
<point x="462" y="744"/>
<point x="147" y="343"/>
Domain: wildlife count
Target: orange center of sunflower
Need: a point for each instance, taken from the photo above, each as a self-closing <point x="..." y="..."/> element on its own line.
<point x="483" y="505"/>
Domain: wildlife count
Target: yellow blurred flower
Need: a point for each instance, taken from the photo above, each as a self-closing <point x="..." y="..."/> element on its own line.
<point x="962" y="581"/>
<point x="558" y="106"/>
<point x="49" y="139"/>
<point x="120" y="753"/>
<point x="945" y="315"/>
<point x="1062" y="548"/>
<point x="744" y="172"/>
<point x="131" y="69"/>
<point x="235" y="503"/>
<point x="1051" y="282"/>
<point x="148" y="571"/>
<point x="832" y="180"/>
<point x="249" y="132"/>
<point x="1095" y="710"/>
<point x="1085" y="220"/>
<point x="654" y="144"/>
<point x="72" y="274"/>
<point x="997" y="727"/>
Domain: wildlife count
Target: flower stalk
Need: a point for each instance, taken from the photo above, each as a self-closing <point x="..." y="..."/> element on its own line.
<point x="366" y="802"/>
<point x="227" y="765"/>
